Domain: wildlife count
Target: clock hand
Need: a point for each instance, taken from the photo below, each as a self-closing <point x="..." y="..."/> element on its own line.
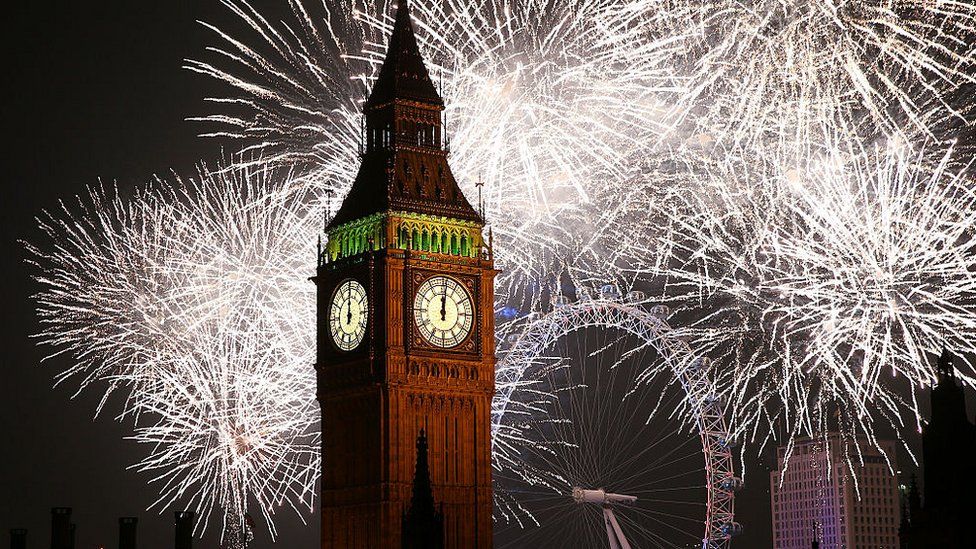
<point x="443" y="307"/>
<point x="349" y="313"/>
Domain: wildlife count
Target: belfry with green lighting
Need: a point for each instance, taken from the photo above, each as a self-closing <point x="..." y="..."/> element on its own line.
<point x="404" y="195"/>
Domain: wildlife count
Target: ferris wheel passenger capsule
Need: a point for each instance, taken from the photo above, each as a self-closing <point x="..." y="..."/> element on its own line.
<point x="711" y="398"/>
<point x="700" y="364"/>
<point x="560" y="301"/>
<point x="732" y="484"/>
<point x="727" y="443"/>
<point x="731" y="529"/>
<point x="635" y="296"/>
<point x="609" y="291"/>
<point x="661" y="311"/>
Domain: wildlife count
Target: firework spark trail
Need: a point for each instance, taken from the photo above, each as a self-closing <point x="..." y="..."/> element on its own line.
<point x="822" y="280"/>
<point x="232" y="426"/>
<point x="175" y="295"/>
<point x="540" y="108"/>
<point x="770" y="72"/>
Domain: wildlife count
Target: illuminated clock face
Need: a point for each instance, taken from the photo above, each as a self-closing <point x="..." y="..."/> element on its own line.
<point x="348" y="315"/>
<point x="443" y="312"/>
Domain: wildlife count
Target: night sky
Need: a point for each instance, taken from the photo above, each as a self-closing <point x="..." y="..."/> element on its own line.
<point x="96" y="90"/>
<point x="93" y="90"/>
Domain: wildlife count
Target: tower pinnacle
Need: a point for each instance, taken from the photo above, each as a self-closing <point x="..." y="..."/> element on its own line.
<point x="423" y="525"/>
<point x="945" y="364"/>
<point x="403" y="74"/>
<point x="404" y="159"/>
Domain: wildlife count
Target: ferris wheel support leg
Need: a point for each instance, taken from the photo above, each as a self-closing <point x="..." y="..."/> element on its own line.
<point x="614" y="533"/>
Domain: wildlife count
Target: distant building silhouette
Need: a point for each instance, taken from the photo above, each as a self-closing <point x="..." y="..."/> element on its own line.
<point x="818" y="505"/>
<point x="127" y="532"/>
<point x="184" y="529"/>
<point x="62" y="530"/>
<point x="423" y="525"/>
<point x="18" y="538"/>
<point x="942" y="515"/>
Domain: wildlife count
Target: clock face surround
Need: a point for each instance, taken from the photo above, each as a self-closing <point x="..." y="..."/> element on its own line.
<point x="348" y="315"/>
<point x="443" y="312"/>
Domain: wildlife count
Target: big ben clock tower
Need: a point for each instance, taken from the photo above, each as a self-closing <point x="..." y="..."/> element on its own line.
<point x="405" y="326"/>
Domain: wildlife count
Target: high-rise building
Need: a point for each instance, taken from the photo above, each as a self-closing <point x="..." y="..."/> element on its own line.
<point x="405" y="325"/>
<point x="939" y="516"/>
<point x="816" y="499"/>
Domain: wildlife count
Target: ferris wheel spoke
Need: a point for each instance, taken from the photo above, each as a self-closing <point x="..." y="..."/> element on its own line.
<point x="644" y="495"/>
<point x="656" y="534"/>
<point x="638" y="455"/>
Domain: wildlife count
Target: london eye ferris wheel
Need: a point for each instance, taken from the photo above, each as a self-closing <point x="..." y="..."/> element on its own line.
<point x="600" y="394"/>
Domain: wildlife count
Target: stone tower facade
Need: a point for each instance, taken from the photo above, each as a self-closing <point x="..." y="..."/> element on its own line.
<point x="405" y="326"/>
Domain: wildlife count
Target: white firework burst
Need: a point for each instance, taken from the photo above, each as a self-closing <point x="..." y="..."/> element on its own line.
<point x="232" y="427"/>
<point x="816" y="281"/>
<point x="769" y="72"/>
<point x="176" y="296"/>
<point x="542" y="109"/>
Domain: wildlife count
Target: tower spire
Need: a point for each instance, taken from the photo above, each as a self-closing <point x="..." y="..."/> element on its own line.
<point x="945" y="364"/>
<point x="423" y="495"/>
<point x="403" y="74"/>
<point x="423" y="525"/>
<point x="404" y="160"/>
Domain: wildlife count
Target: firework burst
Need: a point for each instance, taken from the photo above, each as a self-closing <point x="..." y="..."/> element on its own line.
<point x="817" y="281"/>
<point x="232" y="427"/>
<point x="174" y="296"/>
<point x="542" y="109"/>
<point x="770" y="72"/>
